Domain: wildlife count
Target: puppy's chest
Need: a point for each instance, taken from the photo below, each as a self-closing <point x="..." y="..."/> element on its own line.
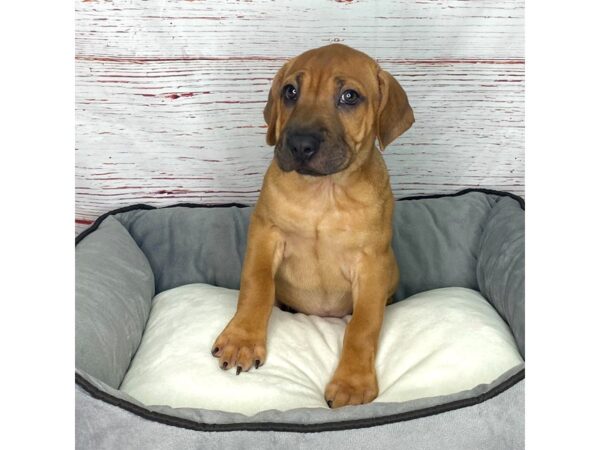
<point x="320" y="252"/>
<point x="322" y="245"/>
<point x="333" y="235"/>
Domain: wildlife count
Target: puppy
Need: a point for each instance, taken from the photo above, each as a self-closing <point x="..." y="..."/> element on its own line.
<point x="319" y="239"/>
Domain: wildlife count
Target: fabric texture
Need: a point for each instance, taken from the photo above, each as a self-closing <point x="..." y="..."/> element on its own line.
<point x="434" y="343"/>
<point x="436" y="242"/>
<point x="191" y="245"/>
<point x="496" y="424"/>
<point x="114" y="289"/>
<point x="501" y="265"/>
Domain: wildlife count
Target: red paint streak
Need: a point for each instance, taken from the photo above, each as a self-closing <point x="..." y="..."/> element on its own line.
<point x="181" y="178"/>
<point x="120" y="179"/>
<point x="173" y="192"/>
<point x="125" y="187"/>
<point x="143" y="60"/>
<point x="172" y="95"/>
<point x="235" y="102"/>
<point x="84" y="221"/>
<point x="185" y="17"/>
<point x="175" y="95"/>
<point x="232" y="192"/>
<point x="452" y="61"/>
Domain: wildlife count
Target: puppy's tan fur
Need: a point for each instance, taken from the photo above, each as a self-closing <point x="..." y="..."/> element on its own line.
<point x="321" y="244"/>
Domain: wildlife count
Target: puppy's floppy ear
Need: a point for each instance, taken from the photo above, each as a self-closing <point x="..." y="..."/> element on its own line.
<point x="395" y="115"/>
<point x="271" y="110"/>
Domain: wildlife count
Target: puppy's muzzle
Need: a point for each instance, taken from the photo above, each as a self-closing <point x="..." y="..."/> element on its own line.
<point x="302" y="146"/>
<point x="311" y="151"/>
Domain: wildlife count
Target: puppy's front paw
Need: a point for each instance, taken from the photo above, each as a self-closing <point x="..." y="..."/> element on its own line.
<point x="351" y="389"/>
<point x="241" y="348"/>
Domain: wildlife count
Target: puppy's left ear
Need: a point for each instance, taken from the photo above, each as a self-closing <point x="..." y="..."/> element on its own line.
<point x="270" y="112"/>
<point x="395" y="115"/>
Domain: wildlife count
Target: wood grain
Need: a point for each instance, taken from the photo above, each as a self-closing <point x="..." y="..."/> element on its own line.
<point x="169" y="94"/>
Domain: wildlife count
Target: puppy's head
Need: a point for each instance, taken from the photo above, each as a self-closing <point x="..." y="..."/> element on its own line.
<point x="328" y="105"/>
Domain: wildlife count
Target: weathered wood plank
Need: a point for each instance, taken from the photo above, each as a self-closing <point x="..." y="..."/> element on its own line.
<point x="167" y="113"/>
<point x="397" y="29"/>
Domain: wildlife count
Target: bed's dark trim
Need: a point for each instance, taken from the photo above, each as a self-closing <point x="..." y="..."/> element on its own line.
<point x="515" y="197"/>
<point x="143" y="206"/>
<point x="291" y="427"/>
<point x="296" y="427"/>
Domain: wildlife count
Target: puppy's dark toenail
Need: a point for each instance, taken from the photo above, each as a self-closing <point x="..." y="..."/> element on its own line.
<point x="225" y="365"/>
<point x="329" y="403"/>
<point x="256" y="364"/>
<point x="215" y="350"/>
<point x="239" y="369"/>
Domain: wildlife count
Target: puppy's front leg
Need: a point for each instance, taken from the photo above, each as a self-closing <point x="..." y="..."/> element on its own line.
<point x="355" y="381"/>
<point x="243" y="341"/>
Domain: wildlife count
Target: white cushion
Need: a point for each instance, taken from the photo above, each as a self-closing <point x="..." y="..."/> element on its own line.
<point x="433" y="343"/>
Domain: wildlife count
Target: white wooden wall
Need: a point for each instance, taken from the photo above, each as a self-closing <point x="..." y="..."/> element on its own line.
<point x="169" y="93"/>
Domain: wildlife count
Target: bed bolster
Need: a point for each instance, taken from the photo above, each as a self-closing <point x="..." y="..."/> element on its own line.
<point x="501" y="265"/>
<point x="114" y="290"/>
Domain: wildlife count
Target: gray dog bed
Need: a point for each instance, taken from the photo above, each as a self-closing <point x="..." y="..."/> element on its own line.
<point x="472" y="239"/>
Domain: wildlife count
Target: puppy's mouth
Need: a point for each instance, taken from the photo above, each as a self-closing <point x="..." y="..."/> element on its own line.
<point x="311" y="172"/>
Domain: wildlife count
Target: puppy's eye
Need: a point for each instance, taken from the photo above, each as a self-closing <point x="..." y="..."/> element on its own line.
<point x="349" y="97"/>
<point x="290" y="93"/>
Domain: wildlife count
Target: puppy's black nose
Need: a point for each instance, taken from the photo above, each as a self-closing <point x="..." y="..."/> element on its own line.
<point x="303" y="145"/>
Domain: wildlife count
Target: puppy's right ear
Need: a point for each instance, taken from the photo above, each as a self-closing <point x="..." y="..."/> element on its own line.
<point x="271" y="110"/>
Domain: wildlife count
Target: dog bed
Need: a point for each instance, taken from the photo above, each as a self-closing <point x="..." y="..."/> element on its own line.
<point x="436" y="342"/>
<point x="462" y="252"/>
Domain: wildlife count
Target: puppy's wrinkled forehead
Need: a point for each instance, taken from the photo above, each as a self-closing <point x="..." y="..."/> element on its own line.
<point x="337" y="64"/>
